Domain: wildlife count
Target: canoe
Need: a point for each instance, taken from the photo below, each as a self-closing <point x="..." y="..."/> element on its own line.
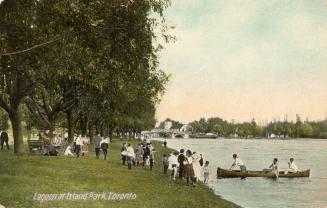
<point x="223" y="173"/>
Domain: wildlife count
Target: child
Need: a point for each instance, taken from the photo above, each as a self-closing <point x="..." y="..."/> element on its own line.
<point x="206" y="172"/>
<point x="165" y="163"/>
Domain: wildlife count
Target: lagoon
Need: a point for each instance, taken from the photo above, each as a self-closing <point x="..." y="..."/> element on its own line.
<point x="258" y="154"/>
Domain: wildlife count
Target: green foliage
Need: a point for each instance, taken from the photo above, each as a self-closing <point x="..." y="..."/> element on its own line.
<point x="94" y="60"/>
<point x="282" y="129"/>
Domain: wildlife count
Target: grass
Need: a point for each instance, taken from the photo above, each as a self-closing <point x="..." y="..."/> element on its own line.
<point x="23" y="176"/>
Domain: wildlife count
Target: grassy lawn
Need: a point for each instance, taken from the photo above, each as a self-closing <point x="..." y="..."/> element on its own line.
<point x="23" y="176"/>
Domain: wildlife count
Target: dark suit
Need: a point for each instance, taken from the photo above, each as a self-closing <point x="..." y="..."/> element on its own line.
<point x="180" y="160"/>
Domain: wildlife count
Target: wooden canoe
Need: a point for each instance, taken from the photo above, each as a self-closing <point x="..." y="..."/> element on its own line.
<point x="223" y="173"/>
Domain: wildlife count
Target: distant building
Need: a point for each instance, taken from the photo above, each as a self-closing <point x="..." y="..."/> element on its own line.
<point x="168" y="125"/>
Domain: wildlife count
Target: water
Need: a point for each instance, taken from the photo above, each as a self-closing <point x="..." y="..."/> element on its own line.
<point x="258" y="154"/>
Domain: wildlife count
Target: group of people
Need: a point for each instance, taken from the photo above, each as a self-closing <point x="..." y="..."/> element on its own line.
<point x="188" y="165"/>
<point x="51" y="144"/>
<point x="81" y="146"/>
<point x="141" y="154"/>
<point x="273" y="168"/>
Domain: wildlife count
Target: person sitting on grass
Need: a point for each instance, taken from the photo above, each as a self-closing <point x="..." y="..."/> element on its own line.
<point x="68" y="151"/>
<point x="165" y="163"/>
<point x="292" y="168"/>
<point x="238" y="162"/>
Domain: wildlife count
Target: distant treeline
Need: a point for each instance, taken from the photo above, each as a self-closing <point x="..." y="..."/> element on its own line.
<point x="216" y="125"/>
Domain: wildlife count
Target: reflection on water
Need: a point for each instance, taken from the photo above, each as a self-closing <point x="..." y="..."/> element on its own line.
<point x="258" y="154"/>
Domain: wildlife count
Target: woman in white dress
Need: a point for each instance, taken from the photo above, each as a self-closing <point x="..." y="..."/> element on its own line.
<point x="196" y="166"/>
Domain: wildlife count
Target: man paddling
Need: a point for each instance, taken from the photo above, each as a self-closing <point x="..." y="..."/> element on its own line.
<point x="238" y="162"/>
<point x="274" y="167"/>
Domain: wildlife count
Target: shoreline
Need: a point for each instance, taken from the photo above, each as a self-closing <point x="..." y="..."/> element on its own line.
<point x="25" y="175"/>
<point x="238" y="138"/>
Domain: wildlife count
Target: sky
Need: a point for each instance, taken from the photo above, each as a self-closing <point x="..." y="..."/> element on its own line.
<point x="244" y="59"/>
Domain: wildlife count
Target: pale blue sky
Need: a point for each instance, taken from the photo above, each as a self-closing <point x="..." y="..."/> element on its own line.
<point x="239" y="59"/>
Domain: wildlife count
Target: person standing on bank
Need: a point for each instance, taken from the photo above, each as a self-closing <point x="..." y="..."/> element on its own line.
<point x="130" y="156"/>
<point x="238" y="162"/>
<point x="151" y="156"/>
<point x="4" y="139"/>
<point x="165" y="144"/>
<point x="105" y="146"/>
<point x="196" y="167"/>
<point x="180" y="159"/>
<point x="189" y="171"/>
<point x="201" y="160"/>
<point x="97" y="140"/>
<point x="174" y="163"/>
<point x="206" y="172"/>
<point x="165" y="163"/>
<point x="79" y="144"/>
<point x="123" y="153"/>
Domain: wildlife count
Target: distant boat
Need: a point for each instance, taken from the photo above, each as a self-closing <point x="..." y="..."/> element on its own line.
<point x="204" y="136"/>
<point x="223" y="173"/>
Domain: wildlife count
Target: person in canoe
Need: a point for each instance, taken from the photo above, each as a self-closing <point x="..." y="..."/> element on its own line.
<point x="292" y="168"/>
<point x="274" y="167"/>
<point x="238" y="162"/>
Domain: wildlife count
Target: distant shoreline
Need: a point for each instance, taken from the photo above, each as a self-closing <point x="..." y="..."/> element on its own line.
<point x="238" y="138"/>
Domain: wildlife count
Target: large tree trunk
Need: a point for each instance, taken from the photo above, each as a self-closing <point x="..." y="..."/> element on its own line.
<point x="71" y="126"/>
<point x="102" y="130"/>
<point x="51" y="129"/>
<point x="83" y="124"/>
<point x="91" y="133"/>
<point x="16" y="122"/>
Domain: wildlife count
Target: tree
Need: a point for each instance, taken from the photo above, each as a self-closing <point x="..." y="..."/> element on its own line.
<point x="4" y="121"/>
<point x="17" y="73"/>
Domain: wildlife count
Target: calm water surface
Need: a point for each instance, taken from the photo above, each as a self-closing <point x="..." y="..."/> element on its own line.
<point x="258" y="154"/>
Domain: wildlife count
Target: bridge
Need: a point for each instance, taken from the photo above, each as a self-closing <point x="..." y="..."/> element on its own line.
<point x="165" y="133"/>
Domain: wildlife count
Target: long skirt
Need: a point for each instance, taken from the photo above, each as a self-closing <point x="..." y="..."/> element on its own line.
<point x="139" y="158"/>
<point x="197" y="169"/>
<point x="189" y="172"/>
